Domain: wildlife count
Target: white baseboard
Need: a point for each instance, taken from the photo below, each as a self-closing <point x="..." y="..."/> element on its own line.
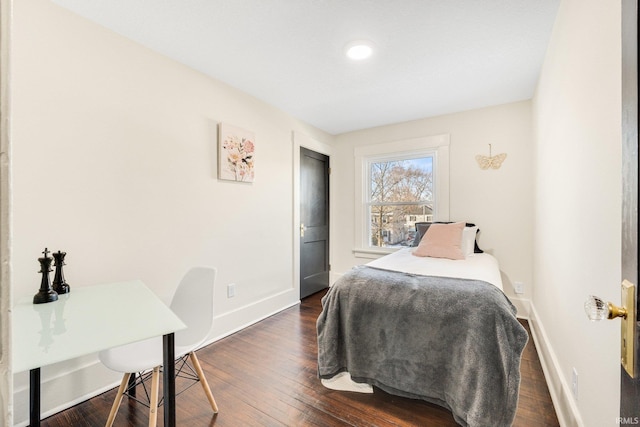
<point x="523" y="306"/>
<point x="565" y="406"/>
<point x="236" y="320"/>
<point x="563" y="401"/>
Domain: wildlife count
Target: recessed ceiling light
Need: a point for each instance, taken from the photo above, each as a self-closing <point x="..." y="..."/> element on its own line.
<point x="359" y="49"/>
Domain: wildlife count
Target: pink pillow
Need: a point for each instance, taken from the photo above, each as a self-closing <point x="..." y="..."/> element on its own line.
<point x="442" y="241"/>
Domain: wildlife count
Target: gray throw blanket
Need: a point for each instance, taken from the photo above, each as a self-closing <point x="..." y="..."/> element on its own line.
<point x="452" y="342"/>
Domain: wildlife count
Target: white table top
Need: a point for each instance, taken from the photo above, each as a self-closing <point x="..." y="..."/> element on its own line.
<point x="85" y="321"/>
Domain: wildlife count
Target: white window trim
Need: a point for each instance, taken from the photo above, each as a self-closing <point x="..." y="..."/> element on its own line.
<point x="436" y="145"/>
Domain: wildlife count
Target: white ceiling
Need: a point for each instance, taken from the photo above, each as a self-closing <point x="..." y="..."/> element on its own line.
<point x="433" y="57"/>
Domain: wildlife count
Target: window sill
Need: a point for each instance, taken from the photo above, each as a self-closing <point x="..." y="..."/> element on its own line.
<point x="371" y="253"/>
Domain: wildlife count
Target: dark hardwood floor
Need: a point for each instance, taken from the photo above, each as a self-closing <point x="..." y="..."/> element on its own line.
<point x="266" y="375"/>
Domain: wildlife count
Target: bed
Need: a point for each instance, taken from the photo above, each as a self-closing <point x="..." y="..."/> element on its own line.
<point x="429" y="328"/>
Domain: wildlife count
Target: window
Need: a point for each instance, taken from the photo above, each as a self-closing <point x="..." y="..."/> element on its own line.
<point x="399" y="193"/>
<point x="398" y="184"/>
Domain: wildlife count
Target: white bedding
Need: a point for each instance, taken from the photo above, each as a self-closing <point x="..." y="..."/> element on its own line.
<point x="476" y="266"/>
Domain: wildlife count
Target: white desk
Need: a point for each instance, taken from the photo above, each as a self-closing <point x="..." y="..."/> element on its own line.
<point x="88" y="320"/>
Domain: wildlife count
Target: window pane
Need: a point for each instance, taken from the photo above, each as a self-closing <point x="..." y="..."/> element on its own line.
<point x="401" y="194"/>
<point x="401" y="180"/>
<point x="394" y="225"/>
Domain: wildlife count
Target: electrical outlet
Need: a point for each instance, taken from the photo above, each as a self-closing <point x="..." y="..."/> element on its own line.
<point x="574" y="383"/>
<point x="519" y="287"/>
<point x="231" y="290"/>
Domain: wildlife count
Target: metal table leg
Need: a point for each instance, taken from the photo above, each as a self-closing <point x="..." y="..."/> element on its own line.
<point x="169" y="380"/>
<point x="34" y="397"/>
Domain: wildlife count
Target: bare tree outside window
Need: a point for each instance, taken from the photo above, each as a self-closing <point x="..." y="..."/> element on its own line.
<point x="401" y="194"/>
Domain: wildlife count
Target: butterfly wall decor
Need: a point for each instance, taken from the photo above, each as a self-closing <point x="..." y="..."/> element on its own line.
<point x="493" y="162"/>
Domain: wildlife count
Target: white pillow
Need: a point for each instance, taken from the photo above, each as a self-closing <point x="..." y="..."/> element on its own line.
<point x="468" y="240"/>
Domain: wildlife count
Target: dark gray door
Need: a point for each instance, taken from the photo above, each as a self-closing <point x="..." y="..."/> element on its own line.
<point x="314" y="222"/>
<point x="630" y="387"/>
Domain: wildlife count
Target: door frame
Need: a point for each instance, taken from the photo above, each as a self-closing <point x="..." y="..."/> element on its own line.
<point x="302" y="140"/>
<point x="630" y="387"/>
<point x="6" y="380"/>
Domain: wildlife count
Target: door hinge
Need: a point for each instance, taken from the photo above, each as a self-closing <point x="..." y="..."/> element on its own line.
<point x="329" y="171"/>
<point x="329" y="267"/>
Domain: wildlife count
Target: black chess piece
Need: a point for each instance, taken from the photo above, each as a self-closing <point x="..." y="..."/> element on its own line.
<point x="46" y="293"/>
<point x="59" y="284"/>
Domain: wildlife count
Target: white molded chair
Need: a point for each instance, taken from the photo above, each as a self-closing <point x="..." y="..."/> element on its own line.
<point x="193" y="304"/>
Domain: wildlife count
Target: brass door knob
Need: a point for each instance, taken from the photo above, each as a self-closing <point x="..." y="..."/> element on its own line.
<point x="597" y="309"/>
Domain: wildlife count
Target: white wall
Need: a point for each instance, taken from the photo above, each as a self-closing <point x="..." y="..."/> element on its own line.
<point x="114" y="162"/>
<point x="498" y="201"/>
<point x="577" y="203"/>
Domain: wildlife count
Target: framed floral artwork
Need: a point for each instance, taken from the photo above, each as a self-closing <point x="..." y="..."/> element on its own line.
<point x="236" y="149"/>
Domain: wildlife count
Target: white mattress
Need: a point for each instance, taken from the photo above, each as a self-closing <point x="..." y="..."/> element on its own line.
<point x="476" y="266"/>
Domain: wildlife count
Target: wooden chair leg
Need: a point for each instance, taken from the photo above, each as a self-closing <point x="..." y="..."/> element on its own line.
<point x="117" y="400"/>
<point x="153" y="404"/>
<point x="203" y="381"/>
